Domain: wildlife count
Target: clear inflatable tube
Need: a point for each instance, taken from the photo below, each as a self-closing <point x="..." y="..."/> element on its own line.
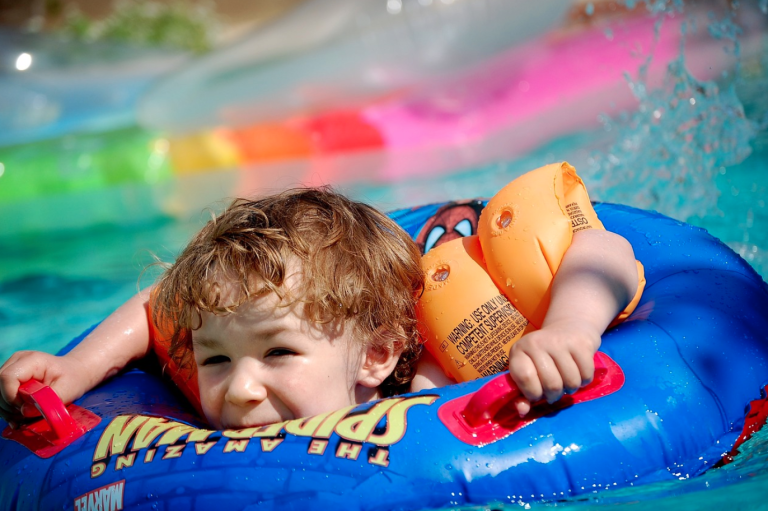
<point x="329" y="54"/>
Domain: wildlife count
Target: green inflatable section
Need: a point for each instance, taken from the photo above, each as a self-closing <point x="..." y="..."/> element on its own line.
<point x="81" y="162"/>
<point x="79" y="180"/>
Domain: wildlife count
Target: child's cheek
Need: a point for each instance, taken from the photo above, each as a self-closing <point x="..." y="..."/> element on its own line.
<point x="211" y="409"/>
<point x="211" y="397"/>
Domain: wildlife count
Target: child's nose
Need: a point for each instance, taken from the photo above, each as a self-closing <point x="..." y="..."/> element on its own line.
<point x="245" y="386"/>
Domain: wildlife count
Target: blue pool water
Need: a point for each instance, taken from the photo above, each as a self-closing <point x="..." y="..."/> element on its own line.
<point x="54" y="285"/>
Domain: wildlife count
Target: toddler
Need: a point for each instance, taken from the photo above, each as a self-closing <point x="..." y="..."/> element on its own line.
<point x="304" y="302"/>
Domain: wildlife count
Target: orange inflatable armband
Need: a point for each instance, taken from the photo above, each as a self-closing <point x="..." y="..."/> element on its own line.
<point x="468" y="325"/>
<point x="482" y="293"/>
<point x="525" y="230"/>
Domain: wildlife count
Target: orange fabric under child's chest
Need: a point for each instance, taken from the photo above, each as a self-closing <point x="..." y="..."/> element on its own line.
<point x="184" y="377"/>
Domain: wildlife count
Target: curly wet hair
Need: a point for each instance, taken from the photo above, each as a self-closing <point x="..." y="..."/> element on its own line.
<point x="358" y="268"/>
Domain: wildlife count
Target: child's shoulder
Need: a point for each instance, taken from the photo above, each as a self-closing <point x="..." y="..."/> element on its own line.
<point x="429" y="374"/>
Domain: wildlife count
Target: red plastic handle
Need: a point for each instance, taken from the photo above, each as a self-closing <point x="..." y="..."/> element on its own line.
<point x="51" y="408"/>
<point x="487" y="401"/>
<point x="500" y="391"/>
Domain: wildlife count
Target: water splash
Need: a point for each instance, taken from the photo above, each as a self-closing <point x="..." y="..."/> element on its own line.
<point x="667" y="153"/>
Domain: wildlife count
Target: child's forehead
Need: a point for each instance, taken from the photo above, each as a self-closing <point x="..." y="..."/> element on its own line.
<point x="269" y="316"/>
<point x="255" y="295"/>
<point x="232" y="286"/>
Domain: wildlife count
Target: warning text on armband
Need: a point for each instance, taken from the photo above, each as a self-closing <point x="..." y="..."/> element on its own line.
<point x="481" y="337"/>
<point x="579" y="222"/>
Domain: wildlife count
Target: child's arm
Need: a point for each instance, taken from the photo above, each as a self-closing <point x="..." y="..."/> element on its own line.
<point x="596" y="280"/>
<point x="118" y="340"/>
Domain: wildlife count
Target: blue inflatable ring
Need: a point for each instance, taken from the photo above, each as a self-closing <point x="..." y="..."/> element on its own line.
<point x="691" y="357"/>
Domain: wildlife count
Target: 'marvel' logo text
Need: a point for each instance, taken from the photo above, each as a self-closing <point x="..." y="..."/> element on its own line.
<point x="106" y="498"/>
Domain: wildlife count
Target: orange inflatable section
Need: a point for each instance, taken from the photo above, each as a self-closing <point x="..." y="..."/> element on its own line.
<point x="523" y="234"/>
<point x="467" y="323"/>
<point x="532" y="221"/>
<point x="185" y="378"/>
<point x="297" y="138"/>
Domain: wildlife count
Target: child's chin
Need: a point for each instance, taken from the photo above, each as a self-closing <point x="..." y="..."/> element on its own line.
<point x="246" y="424"/>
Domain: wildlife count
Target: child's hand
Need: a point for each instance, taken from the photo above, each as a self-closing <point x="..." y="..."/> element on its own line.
<point x="65" y="375"/>
<point x="552" y="361"/>
<point x="118" y="340"/>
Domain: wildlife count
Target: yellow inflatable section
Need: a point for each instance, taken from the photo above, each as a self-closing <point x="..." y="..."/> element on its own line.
<point x="482" y="293"/>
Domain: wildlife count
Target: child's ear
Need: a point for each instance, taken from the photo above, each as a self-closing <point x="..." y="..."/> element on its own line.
<point x="379" y="360"/>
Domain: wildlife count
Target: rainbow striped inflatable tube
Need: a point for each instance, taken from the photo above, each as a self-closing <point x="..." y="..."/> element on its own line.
<point x="671" y="398"/>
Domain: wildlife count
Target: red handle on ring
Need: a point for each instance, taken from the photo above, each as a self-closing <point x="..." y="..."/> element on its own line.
<point x="51" y="408"/>
<point x="497" y="393"/>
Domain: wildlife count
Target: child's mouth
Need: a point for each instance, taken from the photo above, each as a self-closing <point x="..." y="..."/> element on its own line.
<point x="249" y="424"/>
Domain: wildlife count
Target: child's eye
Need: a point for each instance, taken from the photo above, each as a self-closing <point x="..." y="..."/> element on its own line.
<point x="280" y="352"/>
<point x="216" y="359"/>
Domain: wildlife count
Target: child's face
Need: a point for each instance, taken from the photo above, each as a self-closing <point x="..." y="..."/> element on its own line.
<point x="266" y="363"/>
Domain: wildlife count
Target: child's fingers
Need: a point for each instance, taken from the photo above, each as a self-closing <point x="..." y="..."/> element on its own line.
<point x="29" y="410"/>
<point x="570" y="374"/>
<point x="19" y="368"/>
<point x="522" y="405"/>
<point x="12" y="359"/>
<point x="22" y="367"/>
<point x="545" y="380"/>
<point x="525" y="375"/>
<point x="585" y="361"/>
<point x="8" y="383"/>
<point x="551" y="379"/>
<point x="8" y="390"/>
